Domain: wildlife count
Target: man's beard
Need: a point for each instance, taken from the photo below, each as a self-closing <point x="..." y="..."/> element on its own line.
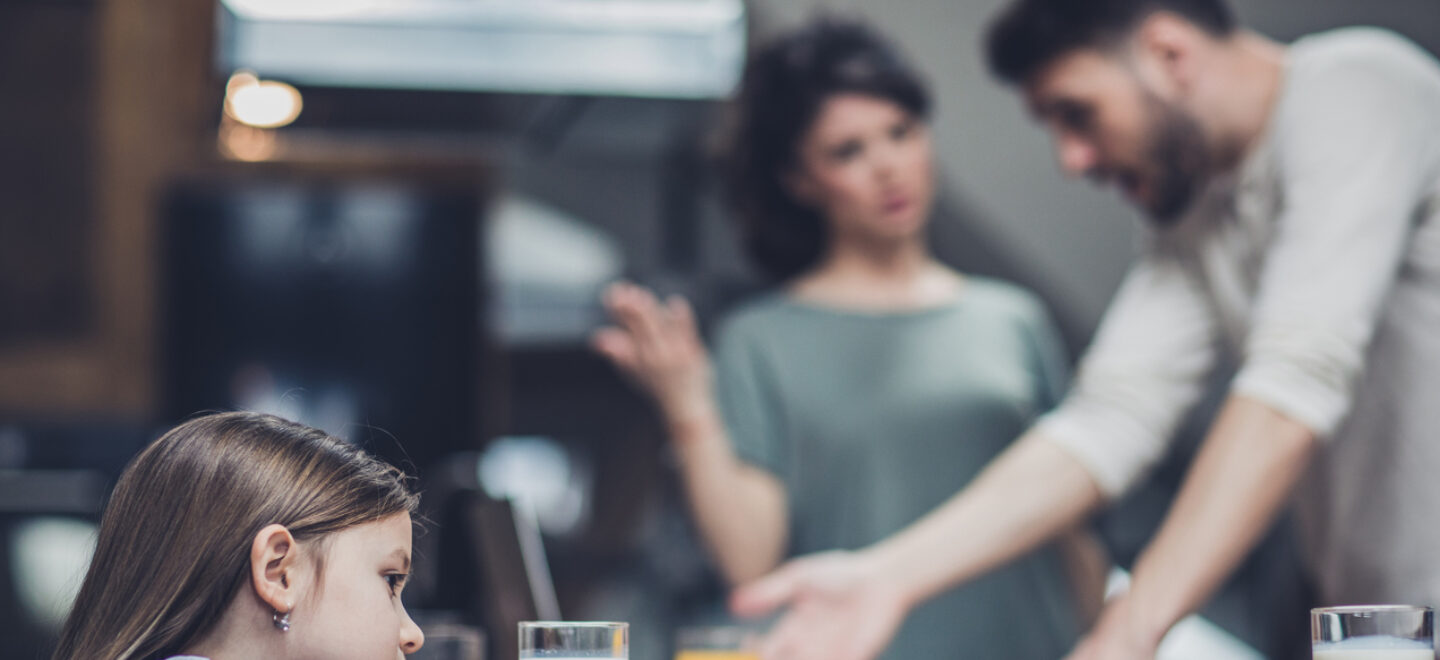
<point x="1179" y="161"/>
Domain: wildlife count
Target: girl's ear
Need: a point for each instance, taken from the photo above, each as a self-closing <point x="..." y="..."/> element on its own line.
<point x="273" y="567"/>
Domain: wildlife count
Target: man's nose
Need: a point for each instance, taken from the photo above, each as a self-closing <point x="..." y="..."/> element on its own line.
<point x="1077" y="156"/>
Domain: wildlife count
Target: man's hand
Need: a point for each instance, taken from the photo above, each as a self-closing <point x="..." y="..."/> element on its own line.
<point x="1118" y="635"/>
<point x="840" y="607"/>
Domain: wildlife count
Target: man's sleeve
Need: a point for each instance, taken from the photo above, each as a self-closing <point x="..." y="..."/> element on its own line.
<point x="1147" y="366"/>
<point x="1356" y="152"/>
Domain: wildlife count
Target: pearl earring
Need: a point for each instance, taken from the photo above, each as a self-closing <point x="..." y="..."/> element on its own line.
<point x="281" y="621"/>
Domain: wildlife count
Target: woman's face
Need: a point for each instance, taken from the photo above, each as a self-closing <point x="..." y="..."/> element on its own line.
<point x="356" y="614"/>
<point x="866" y="164"/>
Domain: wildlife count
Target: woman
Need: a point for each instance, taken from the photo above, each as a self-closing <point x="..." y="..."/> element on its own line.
<point x="876" y="382"/>
<point x="242" y="535"/>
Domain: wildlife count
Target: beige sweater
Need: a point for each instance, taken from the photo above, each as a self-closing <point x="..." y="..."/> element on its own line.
<point x="1316" y="266"/>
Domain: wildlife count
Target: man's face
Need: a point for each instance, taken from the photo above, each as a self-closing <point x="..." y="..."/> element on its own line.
<point x="1111" y="126"/>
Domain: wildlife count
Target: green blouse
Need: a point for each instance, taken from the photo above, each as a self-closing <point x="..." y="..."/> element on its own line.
<point x="873" y="420"/>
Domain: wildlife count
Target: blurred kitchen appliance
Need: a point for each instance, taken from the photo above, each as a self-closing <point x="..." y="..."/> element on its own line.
<point x="649" y="48"/>
<point x="346" y="297"/>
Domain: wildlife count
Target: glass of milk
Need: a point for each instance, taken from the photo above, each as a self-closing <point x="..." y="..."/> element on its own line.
<point x="1373" y="632"/>
<point x="574" y="640"/>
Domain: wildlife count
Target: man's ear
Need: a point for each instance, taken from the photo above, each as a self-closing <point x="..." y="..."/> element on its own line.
<point x="1171" y="48"/>
<point x="273" y="565"/>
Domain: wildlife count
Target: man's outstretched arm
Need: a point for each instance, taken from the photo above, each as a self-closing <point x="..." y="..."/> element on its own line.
<point x="847" y="606"/>
<point x="1241" y="479"/>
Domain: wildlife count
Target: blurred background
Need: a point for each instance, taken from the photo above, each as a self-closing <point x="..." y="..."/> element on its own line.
<point x="392" y="219"/>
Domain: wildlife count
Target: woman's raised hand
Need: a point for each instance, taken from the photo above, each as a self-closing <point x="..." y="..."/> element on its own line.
<point x="658" y="345"/>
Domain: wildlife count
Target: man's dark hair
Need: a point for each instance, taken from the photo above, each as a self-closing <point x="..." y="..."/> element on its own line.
<point x="1032" y="34"/>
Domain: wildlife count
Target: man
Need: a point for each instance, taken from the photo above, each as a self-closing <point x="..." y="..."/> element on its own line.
<point x="1294" y="194"/>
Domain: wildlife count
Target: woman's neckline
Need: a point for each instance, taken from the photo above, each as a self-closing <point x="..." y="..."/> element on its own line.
<point x="956" y="300"/>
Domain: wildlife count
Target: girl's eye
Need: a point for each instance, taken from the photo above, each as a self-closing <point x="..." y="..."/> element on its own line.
<point x="396" y="581"/>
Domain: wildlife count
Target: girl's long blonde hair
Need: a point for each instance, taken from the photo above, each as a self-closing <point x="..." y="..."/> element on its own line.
<point x="174" y="544"/>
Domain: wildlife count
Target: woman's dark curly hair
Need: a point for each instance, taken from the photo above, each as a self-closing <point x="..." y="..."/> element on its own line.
<point x="786" y="82"/>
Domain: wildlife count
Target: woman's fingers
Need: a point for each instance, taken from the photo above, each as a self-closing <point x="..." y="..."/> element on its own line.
<point x="682" y="316"/>
<point x="616" y="345"/>
<point x="636" y="310"/>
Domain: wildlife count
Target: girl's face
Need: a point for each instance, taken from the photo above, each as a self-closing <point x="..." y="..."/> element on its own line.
<point x="356" y="613"/>
<point x="866" y="164"/>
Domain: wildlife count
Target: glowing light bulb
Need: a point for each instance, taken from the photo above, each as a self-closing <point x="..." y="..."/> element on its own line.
<point x="261" y="103"/>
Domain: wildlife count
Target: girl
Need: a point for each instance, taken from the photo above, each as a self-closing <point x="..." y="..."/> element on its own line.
<point x="243" y="536"/>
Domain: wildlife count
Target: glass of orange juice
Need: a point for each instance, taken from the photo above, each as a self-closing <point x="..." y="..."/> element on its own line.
<point x="716" y="643"/>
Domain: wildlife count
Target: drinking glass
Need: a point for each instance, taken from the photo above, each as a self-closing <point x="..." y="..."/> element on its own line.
<point x="716" y="643"/>
<point x="568" y="640"/>
<point x="447" y="641"/>
<point x="1373" y="632"/>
